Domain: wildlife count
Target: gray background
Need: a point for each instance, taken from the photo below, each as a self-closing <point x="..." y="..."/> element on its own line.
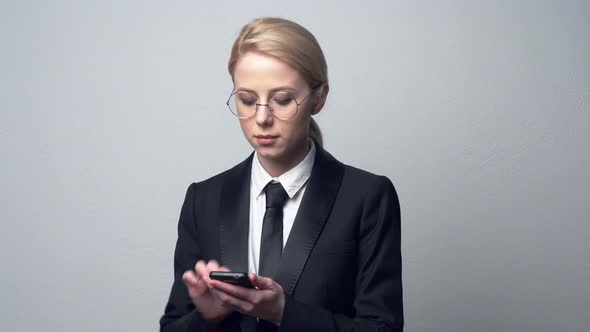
<point x="478" y="112"/>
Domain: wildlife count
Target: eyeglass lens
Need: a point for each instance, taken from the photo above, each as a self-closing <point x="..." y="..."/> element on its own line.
<point x="244" y="104"/>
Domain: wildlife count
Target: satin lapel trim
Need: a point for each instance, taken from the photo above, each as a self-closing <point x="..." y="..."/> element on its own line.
<point x="316" y="204"/>
<point x="234" y="217"/>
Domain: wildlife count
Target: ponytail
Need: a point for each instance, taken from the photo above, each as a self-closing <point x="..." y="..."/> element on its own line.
<point x="315" y="133"/>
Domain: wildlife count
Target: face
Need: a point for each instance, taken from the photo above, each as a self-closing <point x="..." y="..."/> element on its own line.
<point x="278" y="143"/>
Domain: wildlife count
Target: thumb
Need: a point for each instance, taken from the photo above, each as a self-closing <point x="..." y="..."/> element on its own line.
<point x="261" y="282"/>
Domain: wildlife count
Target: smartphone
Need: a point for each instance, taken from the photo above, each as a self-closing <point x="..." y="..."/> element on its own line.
<point x="236" y="278"/>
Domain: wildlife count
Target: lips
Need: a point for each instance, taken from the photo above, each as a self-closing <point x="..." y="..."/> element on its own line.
<point x="266" y="139"/>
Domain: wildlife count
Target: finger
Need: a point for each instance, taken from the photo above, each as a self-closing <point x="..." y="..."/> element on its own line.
<point x="212" y="265"/>
<point x="189" y="277"/>
<point x="232" y="302"/>
<point x="200" y="266"/>
<point x="201" y="270"/>
<point x="261" y="282"/>
<point x="240" y="292"/>
<point x="192" y="277"/>
<point x="195" y="285"/>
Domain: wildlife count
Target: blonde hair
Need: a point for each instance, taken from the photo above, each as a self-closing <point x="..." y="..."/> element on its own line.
<point x="288" y="42"/>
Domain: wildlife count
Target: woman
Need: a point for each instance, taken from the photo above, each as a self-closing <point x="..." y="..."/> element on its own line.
<point x="320" y="239"/>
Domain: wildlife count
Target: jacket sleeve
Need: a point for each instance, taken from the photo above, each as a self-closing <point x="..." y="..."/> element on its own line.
<point x="180" y="314"/>
<point x="378" y="296"/>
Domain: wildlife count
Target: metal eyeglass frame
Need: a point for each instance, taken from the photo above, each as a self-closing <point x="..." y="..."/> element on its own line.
<point x="267" y="105"/>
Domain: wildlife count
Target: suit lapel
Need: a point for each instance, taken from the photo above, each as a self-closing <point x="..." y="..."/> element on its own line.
<point x="316" y="204"/>
<point x="234" y="215"/>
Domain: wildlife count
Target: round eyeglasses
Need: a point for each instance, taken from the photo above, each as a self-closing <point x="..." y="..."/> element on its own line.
<point x="282" y="105"/>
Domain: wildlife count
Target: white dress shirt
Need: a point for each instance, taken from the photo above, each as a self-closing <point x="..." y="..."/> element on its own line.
<point x="294" y="182"/>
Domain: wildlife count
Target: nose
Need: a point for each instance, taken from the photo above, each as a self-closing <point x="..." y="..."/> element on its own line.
<point x="263" y="115"/>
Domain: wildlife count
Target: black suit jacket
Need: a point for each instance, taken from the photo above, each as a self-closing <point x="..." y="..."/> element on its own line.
<point x="341" y="265"/>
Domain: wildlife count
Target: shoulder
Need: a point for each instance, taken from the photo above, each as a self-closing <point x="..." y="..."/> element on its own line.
<point x="369" y="187"/>
<point x="361" y="175"/>
<point x="215" y="182"/>
<point x="354" y="179"/>
<point x="365" y="180"/>
<point x="356" y="186"/>
<point x="376" y="199"/>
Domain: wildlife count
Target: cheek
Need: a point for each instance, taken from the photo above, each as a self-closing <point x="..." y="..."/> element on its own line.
<point x="244" y="125"/>
<point x="246" y="129"/>
<point x="294" y="130"/>
<point x="302" y="127"/>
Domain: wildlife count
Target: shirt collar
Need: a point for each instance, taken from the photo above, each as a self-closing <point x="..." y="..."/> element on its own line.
<point x="292" y="180"/>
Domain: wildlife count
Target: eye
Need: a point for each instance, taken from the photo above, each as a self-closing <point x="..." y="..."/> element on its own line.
<point x="246" y="99"/>
<point x="282" y="99"/>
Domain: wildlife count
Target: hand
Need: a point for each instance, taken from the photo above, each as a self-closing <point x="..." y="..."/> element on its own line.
<point x="266" y="302"/>
<point x="203" y="296"/>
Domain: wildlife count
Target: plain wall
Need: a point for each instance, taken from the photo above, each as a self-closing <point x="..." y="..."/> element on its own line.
<point x="478" y="111"/>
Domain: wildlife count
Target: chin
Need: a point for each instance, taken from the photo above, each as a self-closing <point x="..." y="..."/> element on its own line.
<point x="271" y="152"/>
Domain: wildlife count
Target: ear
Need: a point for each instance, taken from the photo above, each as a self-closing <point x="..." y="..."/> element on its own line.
<point x="321" y="95"/>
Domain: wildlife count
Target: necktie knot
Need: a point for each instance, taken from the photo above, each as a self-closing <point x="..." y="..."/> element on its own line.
<point x="276" y="196"/>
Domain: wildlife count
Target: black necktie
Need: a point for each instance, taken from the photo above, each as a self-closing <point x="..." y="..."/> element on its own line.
<point x="271" y="244"/>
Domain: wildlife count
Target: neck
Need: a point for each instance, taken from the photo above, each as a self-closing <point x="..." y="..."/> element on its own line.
<point x="277" y="167"/>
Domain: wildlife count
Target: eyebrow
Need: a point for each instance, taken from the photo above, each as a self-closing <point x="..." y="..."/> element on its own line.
<point x="279" y="88"/>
